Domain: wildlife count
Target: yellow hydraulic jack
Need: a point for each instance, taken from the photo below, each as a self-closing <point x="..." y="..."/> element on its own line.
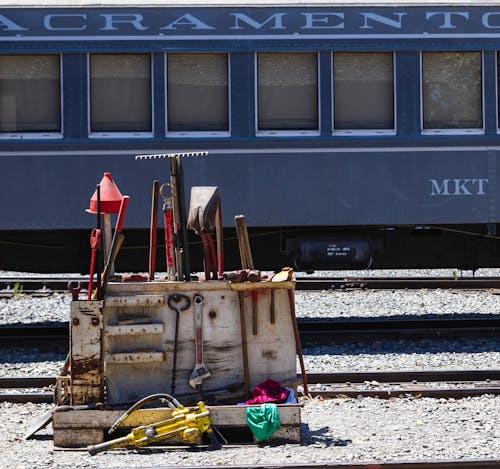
<point x="186" y="423"/>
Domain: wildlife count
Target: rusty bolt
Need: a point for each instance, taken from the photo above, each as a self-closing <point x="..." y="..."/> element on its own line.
<point x="76" y="321"/>
<point x="95" y="321"/>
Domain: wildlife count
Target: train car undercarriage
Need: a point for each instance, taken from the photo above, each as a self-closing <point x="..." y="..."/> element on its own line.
<point x="464" y="247"/>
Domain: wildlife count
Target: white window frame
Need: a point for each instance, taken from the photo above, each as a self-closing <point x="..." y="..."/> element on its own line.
<point x="497" y="76"/>
<point x="286" y="133"/>
<point x="366" y="132"/>
<point x="464" y="131"/>
<point x="42" y="135"/>
<point x="120" y="134"/>
<point x="200" y="133"/>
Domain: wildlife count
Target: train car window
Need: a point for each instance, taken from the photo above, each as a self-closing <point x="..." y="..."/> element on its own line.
<point x="363" y="91"/>
<point x="452" y="91"/>
<point x="197" y="93"/>
<point x="287" y="92"/>
<point x="120" y="93"/>
<point x="30" y="94"/>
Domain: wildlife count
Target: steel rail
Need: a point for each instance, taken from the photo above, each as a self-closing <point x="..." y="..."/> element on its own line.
<point x="330" y="331"/>
<point x="404" y="376"/>
<point x="396" y="283"/>
<point x="335" y="392"/>
<point x="312" y="331"/>
<point x="399" y="389"/>
<point x="406" y="383"/>
<point x="27" y="382"/>
<point x="42" y="286"/>
<point x="392" y="384"/>
<point x="411" y="376"/>
<point x="14" y="382"/>
<point x="51" y="336"/>
<point x="25" y="397"/>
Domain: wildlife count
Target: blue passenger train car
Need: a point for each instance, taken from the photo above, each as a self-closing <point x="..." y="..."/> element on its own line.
<point x="350" y="134"/>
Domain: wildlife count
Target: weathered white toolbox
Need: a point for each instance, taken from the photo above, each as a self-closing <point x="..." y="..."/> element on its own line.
<point x="122" y="349"/>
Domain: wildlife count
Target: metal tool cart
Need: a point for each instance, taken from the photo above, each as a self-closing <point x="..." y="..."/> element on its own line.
<point x="211" y="339"/>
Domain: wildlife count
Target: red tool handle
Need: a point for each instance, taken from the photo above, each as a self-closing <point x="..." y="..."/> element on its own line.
<point x="121" y="213"/>
<point x="168" y="224"/>
<point x="95" y="240"/>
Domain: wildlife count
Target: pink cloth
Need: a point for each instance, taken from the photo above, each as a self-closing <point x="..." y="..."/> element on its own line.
<point x="268" y="391"/>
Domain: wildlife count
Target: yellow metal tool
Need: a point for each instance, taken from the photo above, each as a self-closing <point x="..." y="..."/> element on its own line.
<point x="186" y="423"/>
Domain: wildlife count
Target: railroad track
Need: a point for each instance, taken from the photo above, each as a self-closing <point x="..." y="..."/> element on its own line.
<point x="397" y="283"/>
<point x="43" y="286"/>
<point x="329" y="331"/>
<point x="441" y="384"/>
<point x="312" y="331"/>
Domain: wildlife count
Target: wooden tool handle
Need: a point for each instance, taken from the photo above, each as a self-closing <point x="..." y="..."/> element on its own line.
<point x="243" y="242"/>
<point x="152" y="229"/>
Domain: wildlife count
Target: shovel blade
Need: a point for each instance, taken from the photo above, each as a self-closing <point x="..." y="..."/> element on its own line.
<point x="38" y="424"/>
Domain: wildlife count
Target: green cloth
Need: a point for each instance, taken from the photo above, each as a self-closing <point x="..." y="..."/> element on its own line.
<point x="264" y="420"/>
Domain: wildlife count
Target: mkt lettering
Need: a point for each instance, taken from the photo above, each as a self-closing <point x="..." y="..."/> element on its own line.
<point x="455" y="187"/>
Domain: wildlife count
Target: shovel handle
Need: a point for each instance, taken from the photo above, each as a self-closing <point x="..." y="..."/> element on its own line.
<point x="117" y="243"/>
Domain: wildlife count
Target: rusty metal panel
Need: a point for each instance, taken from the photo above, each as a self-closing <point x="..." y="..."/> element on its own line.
<point x="87" y="384"/>
<point x="139" y="341"/>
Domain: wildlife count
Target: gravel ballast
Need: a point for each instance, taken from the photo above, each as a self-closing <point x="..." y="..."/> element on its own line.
<point x="309" y="304"/>
<point x="342" y="430"/>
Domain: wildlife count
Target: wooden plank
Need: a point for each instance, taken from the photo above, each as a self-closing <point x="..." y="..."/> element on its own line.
<point x="236" y="415"/>
<point x="290" y="414"/>
<point x="245" y="286"/>
<point x="72" y="438"/>
<point x="152" y="288"/>
<point x="220" y="415"/>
